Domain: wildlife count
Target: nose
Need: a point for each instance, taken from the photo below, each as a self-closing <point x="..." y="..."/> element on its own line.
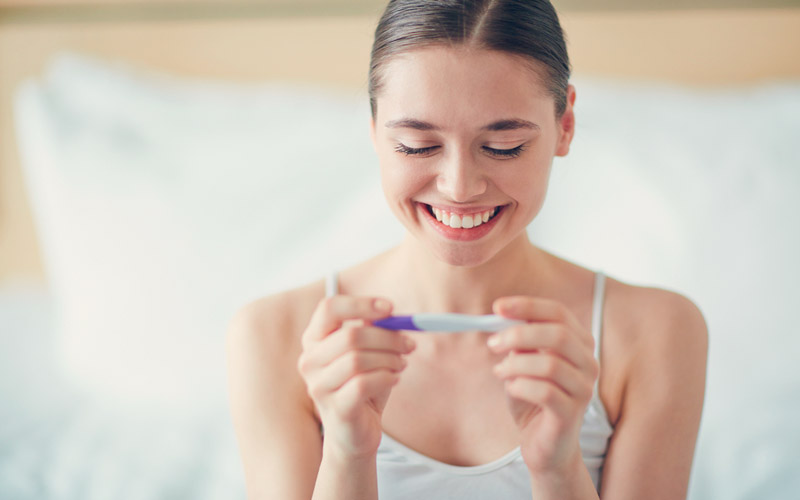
<point x="460" y="179"/>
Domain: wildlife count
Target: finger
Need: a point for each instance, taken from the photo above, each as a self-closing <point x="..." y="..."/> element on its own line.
<point x="366" y="385"/>
<point x="535" y="309"/>
<point x="569" y="379"/>
<point x="361" y="338"/>
<point x="535" y="336"/>
<point x="331" y="312"/>
<point x="541" y="393"/>
<point x="349" y="365"/>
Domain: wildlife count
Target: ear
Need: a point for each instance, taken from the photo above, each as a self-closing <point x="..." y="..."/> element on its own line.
<point x="566" y="124"/>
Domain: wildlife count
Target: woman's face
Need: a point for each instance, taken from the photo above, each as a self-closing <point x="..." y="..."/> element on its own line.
<point x="462" y="135"/>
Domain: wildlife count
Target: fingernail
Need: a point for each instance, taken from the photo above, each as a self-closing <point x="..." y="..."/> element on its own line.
<point x="410" y="344"/>
<point x="511" y="306"/>
<point x="504" y="305"/>
<point x="494" y="341"/>
<point x="382" y="305"/>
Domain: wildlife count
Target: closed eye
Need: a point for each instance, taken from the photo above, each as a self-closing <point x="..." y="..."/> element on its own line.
<point x="505" y="153"/>
<point x="497" y="153"/>
<point x="402" y="148"/>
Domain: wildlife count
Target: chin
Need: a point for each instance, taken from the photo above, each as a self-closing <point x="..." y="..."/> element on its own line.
<point x="463" y="257"/>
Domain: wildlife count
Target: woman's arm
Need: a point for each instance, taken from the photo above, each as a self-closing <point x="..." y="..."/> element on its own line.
<point x="278" y="436"/>
<point x="277" y="377"/>
<point x="650" y="454"/>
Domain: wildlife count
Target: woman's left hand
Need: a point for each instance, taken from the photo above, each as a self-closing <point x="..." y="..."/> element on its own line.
<point x="549" y="371"/>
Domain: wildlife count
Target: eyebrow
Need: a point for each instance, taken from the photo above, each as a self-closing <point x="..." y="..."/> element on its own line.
<point x="508" y="124"/>
<point x="511" y="124"/>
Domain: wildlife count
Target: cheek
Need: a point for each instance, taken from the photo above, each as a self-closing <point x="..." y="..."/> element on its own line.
<point x="400" y="177"/>
<point x="527" y="185"/>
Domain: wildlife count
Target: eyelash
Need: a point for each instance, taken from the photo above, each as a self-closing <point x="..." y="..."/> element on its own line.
<point x="498" y="153"/>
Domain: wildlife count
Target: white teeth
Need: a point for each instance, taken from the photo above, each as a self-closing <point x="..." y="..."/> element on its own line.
<point x="458" y="221"/>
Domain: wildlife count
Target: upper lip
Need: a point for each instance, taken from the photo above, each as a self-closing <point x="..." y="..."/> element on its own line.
<point x="463" y="210"/>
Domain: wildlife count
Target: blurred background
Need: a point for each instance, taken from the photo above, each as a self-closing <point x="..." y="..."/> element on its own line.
<point x="162" y="163"/>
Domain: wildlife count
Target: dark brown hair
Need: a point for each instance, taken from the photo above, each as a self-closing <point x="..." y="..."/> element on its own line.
<point x="528" y="28"/>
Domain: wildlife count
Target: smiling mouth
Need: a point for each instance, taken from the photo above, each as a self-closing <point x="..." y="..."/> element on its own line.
<point x="463" y="221"/>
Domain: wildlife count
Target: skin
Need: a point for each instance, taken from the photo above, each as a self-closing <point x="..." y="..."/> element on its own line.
<point x="527" y="386"/>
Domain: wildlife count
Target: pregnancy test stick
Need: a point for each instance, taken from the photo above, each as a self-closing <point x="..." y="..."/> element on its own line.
<point x="447" y="322"/>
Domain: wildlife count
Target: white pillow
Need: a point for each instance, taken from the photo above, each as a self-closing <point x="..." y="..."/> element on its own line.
<point x="163" y="205"/>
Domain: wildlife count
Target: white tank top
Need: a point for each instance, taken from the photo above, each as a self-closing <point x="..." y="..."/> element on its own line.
<point x="406" y="474"/>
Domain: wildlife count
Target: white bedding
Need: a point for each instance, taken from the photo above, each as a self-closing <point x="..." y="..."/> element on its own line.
<point x="56" y="442"/>
<point x="163" y="204"/>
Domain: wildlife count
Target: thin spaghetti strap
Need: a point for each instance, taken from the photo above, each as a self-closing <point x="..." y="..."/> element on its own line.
<point x="331" y="284"/>
<point x="331" y="289"/>
<point x="597" y="314"/>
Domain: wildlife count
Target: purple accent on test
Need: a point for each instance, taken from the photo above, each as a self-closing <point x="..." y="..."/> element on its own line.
<point x="396" y="323"/>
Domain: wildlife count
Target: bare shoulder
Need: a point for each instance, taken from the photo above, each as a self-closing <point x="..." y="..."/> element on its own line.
<point x="277" y="318"/>
<point x="650" y="318"/>
<point x="267" y="333"/>
<point x="273" y="415"/>
<point x="656" y="342"/>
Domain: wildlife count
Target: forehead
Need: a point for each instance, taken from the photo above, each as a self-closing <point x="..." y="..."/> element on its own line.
<point x="462" y="86"/>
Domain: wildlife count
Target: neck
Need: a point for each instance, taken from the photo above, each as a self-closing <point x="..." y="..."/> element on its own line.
<point x="436" y="286"/>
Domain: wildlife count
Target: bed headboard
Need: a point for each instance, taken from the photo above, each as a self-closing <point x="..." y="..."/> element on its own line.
<point x="714" y="42"/>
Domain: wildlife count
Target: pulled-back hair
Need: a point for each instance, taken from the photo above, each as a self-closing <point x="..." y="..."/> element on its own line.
<point x="528" y="28"/>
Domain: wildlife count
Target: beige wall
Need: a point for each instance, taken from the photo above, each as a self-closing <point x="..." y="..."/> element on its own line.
<point x="698" y="47"/>
<point x="365" y="6"/>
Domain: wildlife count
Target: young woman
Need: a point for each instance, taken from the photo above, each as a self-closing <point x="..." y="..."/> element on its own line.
<point x="598" y="393"/>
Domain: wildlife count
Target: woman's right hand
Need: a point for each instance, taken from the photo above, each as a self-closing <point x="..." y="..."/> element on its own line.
<point x="350" y="369"/>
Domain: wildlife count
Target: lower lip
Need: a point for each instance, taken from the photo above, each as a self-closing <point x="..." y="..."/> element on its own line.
<point x="461" y="234"/>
